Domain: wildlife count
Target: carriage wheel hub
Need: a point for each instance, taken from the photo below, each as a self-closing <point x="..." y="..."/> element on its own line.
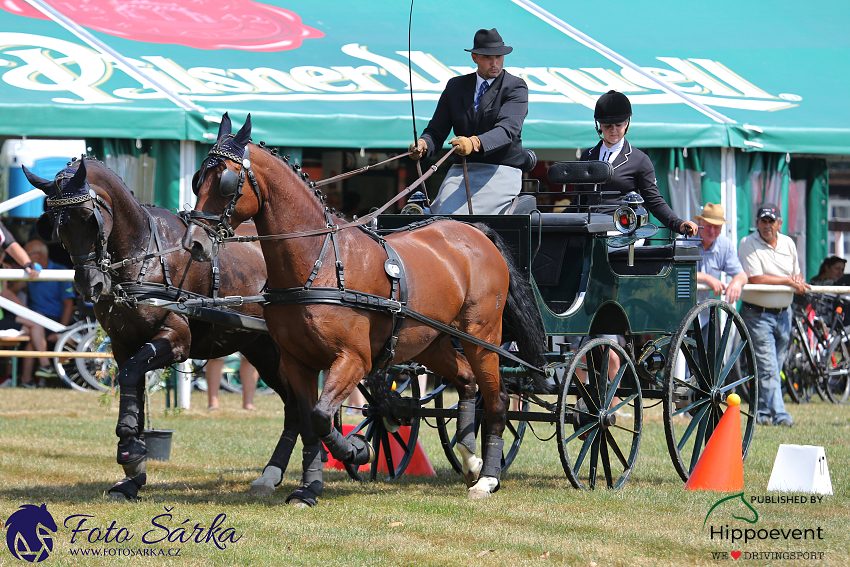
<point x="607" y="419"/>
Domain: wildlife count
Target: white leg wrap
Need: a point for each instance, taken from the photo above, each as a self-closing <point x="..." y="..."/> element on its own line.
<point x="483" y="488"/>
<point x="264" y="486"/>
<point x="470" y="464"/>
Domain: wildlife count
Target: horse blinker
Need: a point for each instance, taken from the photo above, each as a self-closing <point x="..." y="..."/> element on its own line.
<point x="228" y="184"/>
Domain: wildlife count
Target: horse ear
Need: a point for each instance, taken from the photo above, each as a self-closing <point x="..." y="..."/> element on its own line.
<point x="244" y="134"/>
<point x="79" y="179"/>
<point x="225" y="127"/>
<point x="38" y="182"/>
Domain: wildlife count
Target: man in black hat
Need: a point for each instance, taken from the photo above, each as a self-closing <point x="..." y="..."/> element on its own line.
<point x="486" y="110"/>
<point x="769" y="257"/>
<point x="633" y="170"/>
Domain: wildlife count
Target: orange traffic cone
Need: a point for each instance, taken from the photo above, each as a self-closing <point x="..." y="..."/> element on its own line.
<point x="419" y="464"/>
<point x="721" y="466"/>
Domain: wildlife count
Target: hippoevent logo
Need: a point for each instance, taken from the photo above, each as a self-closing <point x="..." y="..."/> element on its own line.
<point x="28" y="533"/>
<point x="739" y="507"/>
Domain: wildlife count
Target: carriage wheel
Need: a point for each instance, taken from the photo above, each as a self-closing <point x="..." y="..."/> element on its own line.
<point x="696" y="382"/>
<point x="79" y="373"/>
<point x="513" y="434"/>
<point x="599" y="420"/>
<point x="374" y="428"/>
<point x="835" y="385"/>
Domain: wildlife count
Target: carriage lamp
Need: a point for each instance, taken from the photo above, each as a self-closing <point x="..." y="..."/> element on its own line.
<point x="416" y="204"/>
<point x="631" y="215"/>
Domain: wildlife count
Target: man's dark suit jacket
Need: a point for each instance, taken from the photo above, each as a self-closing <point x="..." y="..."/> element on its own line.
<point x="498" y="122"/>
<point x="633" y="171"/>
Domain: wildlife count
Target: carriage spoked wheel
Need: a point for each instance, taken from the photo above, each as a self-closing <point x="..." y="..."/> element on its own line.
<point x="393" y="449"/>
<point x="697" y="381"/>
<point x="80" y="373"/>
<point x="513" y="434"/>
<point x="599" y="418"/>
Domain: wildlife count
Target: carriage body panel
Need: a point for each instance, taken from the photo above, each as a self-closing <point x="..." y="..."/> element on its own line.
<point x="581" y="287"/>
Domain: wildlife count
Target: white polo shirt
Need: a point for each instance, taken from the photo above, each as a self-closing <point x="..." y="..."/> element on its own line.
<point x="760" y="258"/>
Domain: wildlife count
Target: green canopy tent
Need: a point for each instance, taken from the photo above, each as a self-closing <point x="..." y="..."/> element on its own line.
<point x="325" y="74"/>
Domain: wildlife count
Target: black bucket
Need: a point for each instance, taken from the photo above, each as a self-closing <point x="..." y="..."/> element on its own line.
<point x="158" y="442"/>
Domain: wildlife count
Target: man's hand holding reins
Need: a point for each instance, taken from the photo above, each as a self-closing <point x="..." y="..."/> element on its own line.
<point x="418" y="149"/>
<point x="465" y="146"/>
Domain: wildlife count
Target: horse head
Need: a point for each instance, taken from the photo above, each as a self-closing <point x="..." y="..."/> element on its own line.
<point x="219" y="186"/>
<point x="74" y="216"/>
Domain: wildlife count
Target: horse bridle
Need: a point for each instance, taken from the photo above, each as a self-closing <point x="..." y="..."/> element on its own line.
<point x="59" y="209"/>
<point x="229" y="185"/>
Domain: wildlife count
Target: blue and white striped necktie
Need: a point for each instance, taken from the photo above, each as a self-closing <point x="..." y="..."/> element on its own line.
<point x="481" y="90"/>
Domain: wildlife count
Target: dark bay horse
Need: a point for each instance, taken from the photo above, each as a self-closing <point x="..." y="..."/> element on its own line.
<point x="100" y="222"/>
<point x="455" y="273"/>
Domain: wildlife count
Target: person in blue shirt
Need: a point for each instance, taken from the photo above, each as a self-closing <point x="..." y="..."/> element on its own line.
<point x="717" y="256"/>
<point x="49" y="298"/>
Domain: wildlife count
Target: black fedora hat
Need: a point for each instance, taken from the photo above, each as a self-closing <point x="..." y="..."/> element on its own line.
<point x="489" y="42"/>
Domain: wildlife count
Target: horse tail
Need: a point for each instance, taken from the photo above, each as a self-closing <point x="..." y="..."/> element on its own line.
<point x="521" y="319"/>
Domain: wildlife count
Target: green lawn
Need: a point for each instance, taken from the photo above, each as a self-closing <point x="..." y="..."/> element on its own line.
<point x="57" y="447"/>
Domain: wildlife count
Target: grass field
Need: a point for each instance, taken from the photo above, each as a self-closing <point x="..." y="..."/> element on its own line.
<point x="57" y="447"/>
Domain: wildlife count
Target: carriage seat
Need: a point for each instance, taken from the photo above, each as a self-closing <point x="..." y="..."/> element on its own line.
<point x="573" y="223"/>
<point x="520" y="205"/>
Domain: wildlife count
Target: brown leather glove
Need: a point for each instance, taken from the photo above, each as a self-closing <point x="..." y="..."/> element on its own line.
<point x="476" y="143"/>
<point x="418" y="149"/>
<point x="463" y="144"/>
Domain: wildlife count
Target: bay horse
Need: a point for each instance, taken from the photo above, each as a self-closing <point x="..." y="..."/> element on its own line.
<point x="455" y="274"/>
<point x="100" y="223"/>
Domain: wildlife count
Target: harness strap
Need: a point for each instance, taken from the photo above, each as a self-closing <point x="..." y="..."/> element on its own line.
<point x="317" y="265"/>
<point x="216" y="277"/>
<point x="360" y="300"/>
<point x="340" y="273"/>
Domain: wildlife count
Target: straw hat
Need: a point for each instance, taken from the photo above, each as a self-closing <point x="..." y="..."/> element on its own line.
<point x="712" y="214"/>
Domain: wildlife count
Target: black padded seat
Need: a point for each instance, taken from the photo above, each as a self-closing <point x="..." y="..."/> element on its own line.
<point x="575" y="223"/>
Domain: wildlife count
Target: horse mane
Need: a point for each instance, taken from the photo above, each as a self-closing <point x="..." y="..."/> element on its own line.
<point x="304" y="177"/>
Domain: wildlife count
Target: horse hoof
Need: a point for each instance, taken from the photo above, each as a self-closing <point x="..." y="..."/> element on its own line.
<point x="484" y="488"/>
<point x="297" y="503"/>
<point x="373" y="456"/>
<point x="471" y="477"/>
<point x="118" y="497"/>
<point x="476" y="494"/>
<point x="261" y="489"/>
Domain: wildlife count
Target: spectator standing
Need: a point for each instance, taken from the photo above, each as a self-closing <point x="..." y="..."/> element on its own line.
<point x="770" y="257"/>
<point x="247" y="375"/>
<point x="717" y="256"/>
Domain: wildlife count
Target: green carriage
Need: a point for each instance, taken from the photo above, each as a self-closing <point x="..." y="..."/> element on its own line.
<point x="642" y="341"/>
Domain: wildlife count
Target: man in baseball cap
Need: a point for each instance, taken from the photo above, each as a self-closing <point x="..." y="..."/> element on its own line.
<point x="770" y="257"/>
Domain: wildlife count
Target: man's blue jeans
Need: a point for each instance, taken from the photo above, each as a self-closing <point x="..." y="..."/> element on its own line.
<point x="771" y="335"/>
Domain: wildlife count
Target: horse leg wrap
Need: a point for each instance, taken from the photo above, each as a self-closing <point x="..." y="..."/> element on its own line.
<point x="493" y="458"/>
<point x="131" y="450"/>
<point x="283" y="452"/>
<point x="314" y="459"/>
<point x="135" y="469"/>
<point x="353" y="451"/>
<point x="466" y="424"/>
<point x="129" y="487"/>
<point x="128" y="414"/>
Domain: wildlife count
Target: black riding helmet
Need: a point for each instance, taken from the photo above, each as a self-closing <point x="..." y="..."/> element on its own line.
<point x="612" y="108"/>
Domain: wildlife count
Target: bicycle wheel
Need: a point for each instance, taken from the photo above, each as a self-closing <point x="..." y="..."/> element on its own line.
<point x="79" y="374"/>
<point x="835" y="384"/>
<point x="800" y="375"/>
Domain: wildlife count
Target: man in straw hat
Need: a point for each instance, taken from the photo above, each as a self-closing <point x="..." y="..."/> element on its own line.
<point x="718" y="255"/>
<point x="486" y="110"/>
